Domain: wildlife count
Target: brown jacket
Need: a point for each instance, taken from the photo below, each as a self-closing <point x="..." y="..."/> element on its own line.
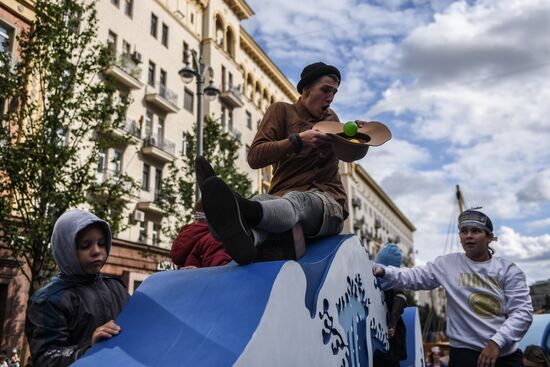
<point x="295" y="172"/>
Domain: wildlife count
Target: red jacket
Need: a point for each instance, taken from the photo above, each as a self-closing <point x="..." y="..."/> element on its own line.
<point x="195" y="246"/>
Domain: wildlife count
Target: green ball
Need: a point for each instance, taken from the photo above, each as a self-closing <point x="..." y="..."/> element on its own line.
<point x="350" y="128"/>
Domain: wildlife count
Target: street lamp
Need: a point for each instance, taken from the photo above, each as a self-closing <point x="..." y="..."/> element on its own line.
<point x="198" y="70"/>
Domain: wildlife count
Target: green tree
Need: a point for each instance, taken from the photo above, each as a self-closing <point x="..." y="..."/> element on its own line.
<point x="58" y="112"/>
<point x="177" y="192"/>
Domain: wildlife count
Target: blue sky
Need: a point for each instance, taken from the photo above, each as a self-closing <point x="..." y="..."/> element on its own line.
<point x="463" y="85"/>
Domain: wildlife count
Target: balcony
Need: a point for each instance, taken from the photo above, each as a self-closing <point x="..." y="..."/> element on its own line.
<point x="125" y="70"/>
<point x="163" y="98"/>
<point x="150" y="207"/>
<point x="235" y="134"/>
<point x="232" y="96"/>
<point x="159" y="148"/>
<point x="129" y="128"/>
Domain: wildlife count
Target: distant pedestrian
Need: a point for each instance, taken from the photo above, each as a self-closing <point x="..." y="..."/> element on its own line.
<point x="396" y="301"/>
<point x="488" y="303"/>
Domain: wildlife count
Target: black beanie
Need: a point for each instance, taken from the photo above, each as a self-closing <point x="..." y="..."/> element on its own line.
<point x="313" y="72"/>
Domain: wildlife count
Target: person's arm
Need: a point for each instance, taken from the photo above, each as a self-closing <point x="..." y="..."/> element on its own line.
<point x="420" y="277"/>
<point x="48" y="335"/>
<point x="399" y="303"/>
<point x="271" y="143"/>
<point x="518" y="307"/>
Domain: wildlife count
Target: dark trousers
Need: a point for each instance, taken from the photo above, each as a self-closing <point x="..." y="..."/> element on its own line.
<point x="462" y="357"/>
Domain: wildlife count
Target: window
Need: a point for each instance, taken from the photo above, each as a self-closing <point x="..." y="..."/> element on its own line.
<point x="160" y="129"/>
<point x="223" y="79"/>
<point x="129" y="7"/>
<point x="151" y="74"/>
<point x="192" y="18"/>
<point x="6" y="37"/>
<point x="162" y="81"/>
<point x="148" y="123"/>
<point x="230" y="119"/>
<point x="154" y="25"/>
<point x="126" y="48"/>
<point x="111" y="42"/>
<point x="116" y="163"/>
<point x="185" y="50"/>
<point x="158" y="181"/>
<point x="223" y="116"/>
<point x="142" y="232"/>
<point x="230" y="80"/>
<point x="258" y="123"/>
<point x="249" y="120"/>
<point x="156" y="234"/>
<point x="115" y="3"/>
<point x="101" y="166"/>
<point x="145" y="177"/>
<point x="188" y="100"/>
<point x="183" y="145"/>
<point x="164" y="35"/>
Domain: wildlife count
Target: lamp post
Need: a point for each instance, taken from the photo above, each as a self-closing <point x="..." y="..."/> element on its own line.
<point x="198" y="70"/>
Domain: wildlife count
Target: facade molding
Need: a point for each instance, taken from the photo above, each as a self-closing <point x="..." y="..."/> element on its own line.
<point x="255" y="52"/>
<point x="241" y="9"/>
<point x="359" y="170"/>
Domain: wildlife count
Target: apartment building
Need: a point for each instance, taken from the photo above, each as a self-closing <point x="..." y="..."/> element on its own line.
<point x="15" y="16"/>
<point x="373" y="216"/>
<point x="151" y="40"/>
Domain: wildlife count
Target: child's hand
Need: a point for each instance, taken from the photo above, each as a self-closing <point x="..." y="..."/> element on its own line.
<point x="105" y="331"/>
<point x="189" y="267"/>
<point x="378" y="271"/>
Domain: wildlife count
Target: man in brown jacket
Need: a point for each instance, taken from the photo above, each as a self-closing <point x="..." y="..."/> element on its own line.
<point x="306" y="187"/>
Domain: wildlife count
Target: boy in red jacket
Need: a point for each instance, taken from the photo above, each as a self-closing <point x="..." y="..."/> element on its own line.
<point x="195" y="247"/>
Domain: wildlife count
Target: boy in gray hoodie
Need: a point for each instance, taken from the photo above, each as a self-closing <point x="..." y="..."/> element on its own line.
<point x="77" y="308"/>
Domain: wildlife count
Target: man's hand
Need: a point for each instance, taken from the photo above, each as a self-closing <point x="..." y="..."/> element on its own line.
<point x="105" y="331"/>
<point x="312" y="139"/>
<point x="360" y="123"/>
<point x="489" y="355"/>
<point x="378" y="271"/>
<point x="391" y="332"/>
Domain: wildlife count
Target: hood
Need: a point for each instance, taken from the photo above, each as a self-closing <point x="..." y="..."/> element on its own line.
<point x="188" y="237"/>
<point x="390" y="254"/>
<point x="64" y="239"/>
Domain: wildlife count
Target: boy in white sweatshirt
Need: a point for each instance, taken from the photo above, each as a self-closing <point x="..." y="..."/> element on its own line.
<point x="488" y="303"/>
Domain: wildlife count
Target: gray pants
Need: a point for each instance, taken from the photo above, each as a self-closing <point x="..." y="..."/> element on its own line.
<point x="318" y="213"/>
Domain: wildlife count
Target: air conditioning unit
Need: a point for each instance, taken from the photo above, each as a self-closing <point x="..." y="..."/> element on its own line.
<point x="139" y="216"/>
<point x="356" y="203"/>
<point x="136" y="56"/>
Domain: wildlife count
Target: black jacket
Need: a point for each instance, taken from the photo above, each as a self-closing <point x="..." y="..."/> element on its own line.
<point x="62" y="317"/>
<point x="396" y="302"/>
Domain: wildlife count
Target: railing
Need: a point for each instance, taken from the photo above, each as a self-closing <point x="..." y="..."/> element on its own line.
<point x="132" y="127"/>
<point x="129" y="65"/>
<point x="236" y="134"/>
<point x="168" y="95"/>
<point x="161" y="143"/>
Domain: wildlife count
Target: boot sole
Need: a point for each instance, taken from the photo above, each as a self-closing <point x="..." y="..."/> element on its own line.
<point x="223" y="215"/>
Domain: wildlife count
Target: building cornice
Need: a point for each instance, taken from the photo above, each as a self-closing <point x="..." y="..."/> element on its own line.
<point x="20" y="8"/>
<point x="360" y="171"/>
<point x="241" y="9"/>
<point x="255" y="52"/>
<point x="146" y="249"/>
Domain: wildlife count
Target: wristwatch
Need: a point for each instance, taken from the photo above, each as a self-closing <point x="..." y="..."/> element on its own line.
<point x="296" y="141"/>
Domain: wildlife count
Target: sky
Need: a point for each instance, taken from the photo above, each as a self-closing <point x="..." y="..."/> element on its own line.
<point x="462" y="85"/>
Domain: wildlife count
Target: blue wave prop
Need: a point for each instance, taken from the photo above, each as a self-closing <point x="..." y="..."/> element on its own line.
<point x="324" y="310"/>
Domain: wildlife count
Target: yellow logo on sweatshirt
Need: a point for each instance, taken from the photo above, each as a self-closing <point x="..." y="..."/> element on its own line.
<point x="485" y="305"/>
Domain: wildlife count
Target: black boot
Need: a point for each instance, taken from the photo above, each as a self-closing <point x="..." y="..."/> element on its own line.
<point x="203" y="170"/>
<point x="226" y="220"/>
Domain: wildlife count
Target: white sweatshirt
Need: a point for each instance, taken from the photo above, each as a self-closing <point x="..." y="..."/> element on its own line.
<point x="485" y="300"/>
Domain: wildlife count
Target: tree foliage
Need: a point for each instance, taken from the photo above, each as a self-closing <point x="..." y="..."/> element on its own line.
<point x="58" y="112"/>
<point x="177" y="193"/>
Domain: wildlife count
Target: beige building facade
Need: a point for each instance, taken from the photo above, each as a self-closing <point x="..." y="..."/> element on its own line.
<point x="373" y="216"/>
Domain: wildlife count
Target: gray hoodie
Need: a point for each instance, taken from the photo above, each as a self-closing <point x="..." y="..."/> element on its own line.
<point x="64" y="239"/>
